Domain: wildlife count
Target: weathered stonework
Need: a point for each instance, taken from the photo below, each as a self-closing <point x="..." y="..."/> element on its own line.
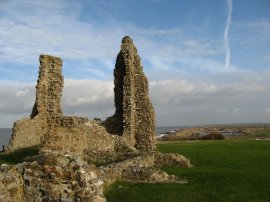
<point x="134" y="116"/>
<point x="27" y="132"/>
<point x="49" y="87"/>
<point x="11" y="184"/>
<point x="171" y="160"/>
<point x="78" y="157"/>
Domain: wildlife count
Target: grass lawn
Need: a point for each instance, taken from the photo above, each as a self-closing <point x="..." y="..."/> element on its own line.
<point x="17" y="156"/>
<point x="223" y="171"/>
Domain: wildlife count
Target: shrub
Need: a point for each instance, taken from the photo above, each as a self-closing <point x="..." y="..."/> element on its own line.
<point x="213" y="136"/>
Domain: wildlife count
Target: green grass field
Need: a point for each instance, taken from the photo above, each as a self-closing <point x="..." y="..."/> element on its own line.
<point x="223" y="171"/>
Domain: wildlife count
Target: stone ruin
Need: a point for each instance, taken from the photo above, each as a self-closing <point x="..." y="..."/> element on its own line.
<point x="134" y="115"/>
<point x="79" y="158"/>
<point x="28" y="132"/>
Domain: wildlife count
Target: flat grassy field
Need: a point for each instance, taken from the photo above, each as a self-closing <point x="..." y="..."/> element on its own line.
<point x="224" y="171"/>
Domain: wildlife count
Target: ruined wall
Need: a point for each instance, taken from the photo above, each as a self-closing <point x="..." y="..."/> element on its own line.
<point x="27" y="132"/>
<point x="66" y="168"/>
<point x="132" y="126"/>
<point x="86" y="140"/>
<point x="134" y="116"/>
<point x="145" y="128"/>
<point x="49" y="87"/>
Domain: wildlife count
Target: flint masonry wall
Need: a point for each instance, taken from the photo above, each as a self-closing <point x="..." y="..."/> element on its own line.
<point x="132" y="126"/>
<point x="27" y="132"/>
<point x="46" y="112"/>
<point x="49" y="87"/>
<point x="64" y="169"/>
<point x="134" y="116"/>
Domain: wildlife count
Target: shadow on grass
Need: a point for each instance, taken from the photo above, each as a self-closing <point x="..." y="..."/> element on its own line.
<point x="18" y="155"/>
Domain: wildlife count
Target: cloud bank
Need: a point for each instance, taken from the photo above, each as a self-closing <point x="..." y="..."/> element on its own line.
<point x="176" y="101"/>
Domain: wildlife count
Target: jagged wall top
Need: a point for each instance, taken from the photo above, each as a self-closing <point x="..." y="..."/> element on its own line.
<point x="28" y="132"/>
<point x="134" y="118"/>
<point x="134" y="115"/>
<point x="49" y="87"/>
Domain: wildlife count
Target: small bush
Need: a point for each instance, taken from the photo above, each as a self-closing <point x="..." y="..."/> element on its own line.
<point x="213" y="136"/>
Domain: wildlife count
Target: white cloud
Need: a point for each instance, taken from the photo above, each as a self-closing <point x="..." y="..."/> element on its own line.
<point x="176" y="102"/>
<point x="195" y="101"/>
<point x="80" y="97"/>
<point x="87" y="97"/>
<point x="16" y="101"/>
<point x="27" y="31"/>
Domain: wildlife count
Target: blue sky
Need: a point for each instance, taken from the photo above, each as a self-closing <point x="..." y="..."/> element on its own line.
<point x="207" y="61"/>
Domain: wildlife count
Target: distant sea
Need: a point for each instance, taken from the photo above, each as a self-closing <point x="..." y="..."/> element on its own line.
<point x="162" y="130"/>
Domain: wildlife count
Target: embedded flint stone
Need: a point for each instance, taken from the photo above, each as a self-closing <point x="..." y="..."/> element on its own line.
<point x="49" y="87"/>
<point x="28" y="131"/>
<point x="134" y="115"/>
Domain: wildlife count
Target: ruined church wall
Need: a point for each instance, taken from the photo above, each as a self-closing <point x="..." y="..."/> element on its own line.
<point x="144" y="116"/>
<point x="133" y="121"/>
<point x="134" y="118"/>
<point x="64" y="169"/>
<point x="139" y="115"/>
<point x="26" y="133"/>
<point x="49" y="87"/>
<point x="86" y="140"/>
<point x="127" y="50"/>
<point x="61" y="140"/>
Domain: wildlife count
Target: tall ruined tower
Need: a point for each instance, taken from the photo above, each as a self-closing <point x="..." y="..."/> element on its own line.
<point x="134" y="115"/>
<point x="28" y="132"/>
<point x="49" y="87"/>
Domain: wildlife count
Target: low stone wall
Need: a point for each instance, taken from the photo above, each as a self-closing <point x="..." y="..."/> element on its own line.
<point x="26" y="133"/>
<point x="77" y="139"/>
<point x="88" y="140"/>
